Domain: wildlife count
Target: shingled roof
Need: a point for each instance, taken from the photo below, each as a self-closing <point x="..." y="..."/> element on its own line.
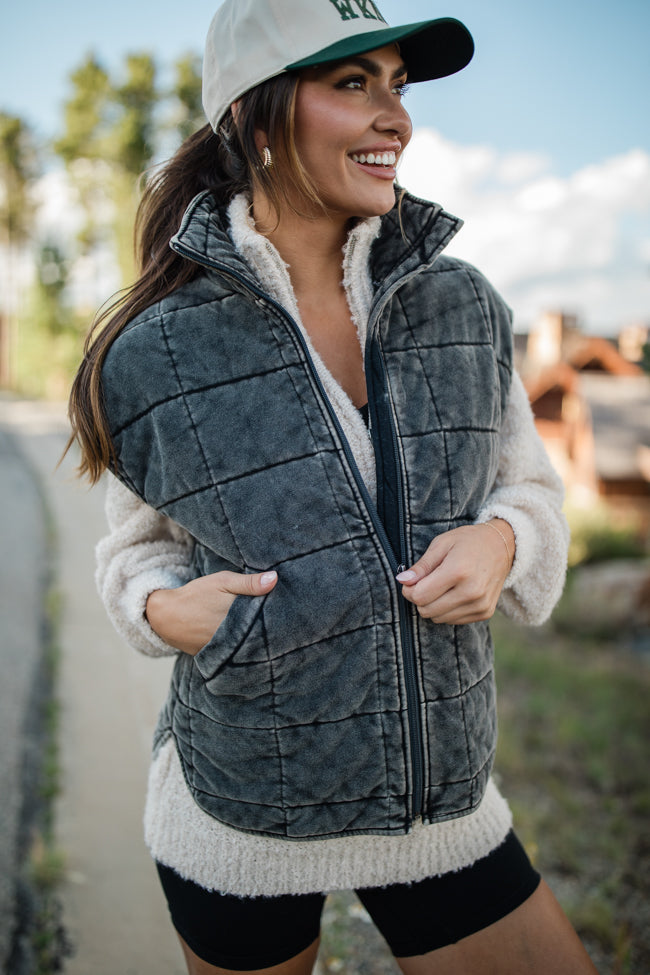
<point x="620" y="415"/>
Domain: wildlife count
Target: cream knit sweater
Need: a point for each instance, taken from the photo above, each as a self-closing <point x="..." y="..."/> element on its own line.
<point x="146" y="551"/>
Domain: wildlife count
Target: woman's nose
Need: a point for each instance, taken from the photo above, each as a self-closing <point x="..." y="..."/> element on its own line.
<point x="393" y="117"/>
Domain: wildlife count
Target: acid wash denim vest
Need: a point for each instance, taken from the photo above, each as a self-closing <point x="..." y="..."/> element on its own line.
<point x="327" y="707"/>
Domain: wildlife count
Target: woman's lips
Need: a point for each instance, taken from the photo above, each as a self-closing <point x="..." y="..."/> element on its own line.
<point x="378" y="164"/>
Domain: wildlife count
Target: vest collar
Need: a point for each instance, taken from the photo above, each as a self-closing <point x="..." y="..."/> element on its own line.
<point x="412" y="236"/>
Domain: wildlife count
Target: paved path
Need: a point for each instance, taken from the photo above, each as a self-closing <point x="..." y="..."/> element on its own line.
<point x="113" y="907"/>
<point x="23" y="547"/>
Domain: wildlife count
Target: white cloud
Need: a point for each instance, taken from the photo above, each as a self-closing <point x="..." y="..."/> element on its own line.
<point x="545" y="240"/>
<point x="518" y="167"/>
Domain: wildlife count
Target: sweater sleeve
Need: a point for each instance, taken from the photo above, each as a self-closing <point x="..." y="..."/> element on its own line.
<point x="143" y="551"/>
<point x="528" y="494"/>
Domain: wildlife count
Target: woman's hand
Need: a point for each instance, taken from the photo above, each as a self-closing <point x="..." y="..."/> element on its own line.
<point x="188" y="617"/>
<point x="460" y="576"/>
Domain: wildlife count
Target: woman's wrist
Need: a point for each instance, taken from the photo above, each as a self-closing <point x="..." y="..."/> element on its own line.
<point x="156" y="612"/>
<point x="187" y="617"/>
<point x="504" y="530"/>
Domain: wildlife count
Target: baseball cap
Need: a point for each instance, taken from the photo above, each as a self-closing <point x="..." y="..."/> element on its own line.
<point x="250" y="41"/>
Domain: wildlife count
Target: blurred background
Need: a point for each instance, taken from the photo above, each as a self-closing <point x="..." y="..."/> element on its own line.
<point x="542" y="146"/>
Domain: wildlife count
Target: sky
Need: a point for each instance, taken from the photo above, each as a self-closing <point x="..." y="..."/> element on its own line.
<point x="542" y="145"/>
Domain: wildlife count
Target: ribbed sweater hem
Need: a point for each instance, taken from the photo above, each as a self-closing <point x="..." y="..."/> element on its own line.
<point x="181" y="835"/>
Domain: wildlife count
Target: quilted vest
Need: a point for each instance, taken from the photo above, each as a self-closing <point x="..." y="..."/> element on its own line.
<point x="327" y="707"/>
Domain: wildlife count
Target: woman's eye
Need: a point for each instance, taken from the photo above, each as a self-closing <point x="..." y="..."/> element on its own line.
<point x="359" y="84"/>
<point x="352" y="83"/>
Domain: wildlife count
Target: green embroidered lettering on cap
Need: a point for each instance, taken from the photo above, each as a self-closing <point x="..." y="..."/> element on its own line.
<point x="344" y="8"/>
<point x="366" y="9"/>
<point x="369" y="10"/>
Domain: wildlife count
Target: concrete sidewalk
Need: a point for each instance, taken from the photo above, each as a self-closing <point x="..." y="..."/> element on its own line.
<point x="114" y="910"/>
<point x="24" y="548"/>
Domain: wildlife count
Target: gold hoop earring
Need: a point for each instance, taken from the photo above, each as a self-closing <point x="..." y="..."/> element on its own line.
<point x="267" y="159"/>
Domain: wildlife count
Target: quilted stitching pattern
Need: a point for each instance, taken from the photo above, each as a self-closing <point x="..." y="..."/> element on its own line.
<point x="292" y="720"/>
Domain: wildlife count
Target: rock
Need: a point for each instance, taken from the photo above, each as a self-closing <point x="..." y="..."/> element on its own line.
<point x="608" y="597"/>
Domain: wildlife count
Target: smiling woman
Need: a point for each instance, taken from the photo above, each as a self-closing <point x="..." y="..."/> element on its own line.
<point x="310" y="417"/>
<point x="349" y="118"/>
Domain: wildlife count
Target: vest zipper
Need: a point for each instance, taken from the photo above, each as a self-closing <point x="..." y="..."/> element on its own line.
<point x="413" y="697"/>
<point x="406" y="632"/>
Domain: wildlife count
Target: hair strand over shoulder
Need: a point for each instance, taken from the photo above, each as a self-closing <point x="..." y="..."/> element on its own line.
<point x="225" y="163"/>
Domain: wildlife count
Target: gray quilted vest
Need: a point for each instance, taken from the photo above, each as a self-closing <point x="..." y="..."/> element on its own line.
<point x="327" y="707"/>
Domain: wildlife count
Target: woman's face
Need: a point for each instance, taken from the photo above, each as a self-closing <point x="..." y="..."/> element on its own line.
<point x="351" y="129"/>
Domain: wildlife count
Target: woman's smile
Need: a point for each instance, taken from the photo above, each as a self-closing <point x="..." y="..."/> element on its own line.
<point x="378" y="163"/>
<point x="377" y="158"/>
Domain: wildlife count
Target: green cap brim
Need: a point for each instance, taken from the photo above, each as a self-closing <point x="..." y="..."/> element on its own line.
<point x="431" y="49"/>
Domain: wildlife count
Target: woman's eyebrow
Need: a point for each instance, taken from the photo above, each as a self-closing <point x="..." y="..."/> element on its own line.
<point x="372" y="67"/>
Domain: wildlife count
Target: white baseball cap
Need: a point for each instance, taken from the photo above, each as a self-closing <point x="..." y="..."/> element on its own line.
<point x="250" y="41"/>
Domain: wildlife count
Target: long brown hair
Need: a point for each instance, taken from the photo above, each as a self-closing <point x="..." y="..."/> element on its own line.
<point x="225" y="163"/>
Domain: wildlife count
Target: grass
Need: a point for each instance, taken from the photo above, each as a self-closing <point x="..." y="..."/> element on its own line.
<point x="46" y="862"/>
<point x="600" y="532"/>
<point x="573" y="761"/>
<point x="50" y="784"/>
<point x="44" y="869"/>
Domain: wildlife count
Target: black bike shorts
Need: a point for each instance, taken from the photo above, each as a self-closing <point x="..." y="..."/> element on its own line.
<point x="247" y="933"/>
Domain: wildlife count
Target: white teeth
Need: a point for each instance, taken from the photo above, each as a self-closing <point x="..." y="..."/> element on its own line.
<point x="380" y="159"/>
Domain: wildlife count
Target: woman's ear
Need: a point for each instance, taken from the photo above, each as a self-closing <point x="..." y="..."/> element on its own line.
<point x="261" y="138"/>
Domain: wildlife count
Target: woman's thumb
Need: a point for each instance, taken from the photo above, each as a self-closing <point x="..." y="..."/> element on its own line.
<point x="434" y="555"/>
<point x="242" y="584"/>
<point x="266" y="580"/>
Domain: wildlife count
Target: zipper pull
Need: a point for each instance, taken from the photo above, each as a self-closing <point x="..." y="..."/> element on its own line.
<point x="400" y="568"/>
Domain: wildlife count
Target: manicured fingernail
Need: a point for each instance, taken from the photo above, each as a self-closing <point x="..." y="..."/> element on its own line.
<point x="408" y="576"/>
<point x="268" y="578"/>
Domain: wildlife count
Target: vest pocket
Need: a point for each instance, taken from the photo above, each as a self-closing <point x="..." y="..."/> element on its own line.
<point x="230" y="635"/>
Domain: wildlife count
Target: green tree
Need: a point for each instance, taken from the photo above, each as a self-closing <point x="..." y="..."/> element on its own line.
<point x="187" y="92"/>
<point x="83" y="144"/>
<point x="50" y="336"/>
<point x="50" y="286"/>
<point x="18" y="169"/>
<point x="131" y="147"/>
<point x="85" y="113"/>
<point x="132" y="137"/>
<point x="108" y="141"/>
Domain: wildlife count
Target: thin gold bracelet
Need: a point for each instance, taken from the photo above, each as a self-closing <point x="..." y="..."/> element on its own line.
<point x="503" y="539"/>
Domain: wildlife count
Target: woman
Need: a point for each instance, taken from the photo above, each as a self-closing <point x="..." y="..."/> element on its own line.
<point x="327" y="478"/>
